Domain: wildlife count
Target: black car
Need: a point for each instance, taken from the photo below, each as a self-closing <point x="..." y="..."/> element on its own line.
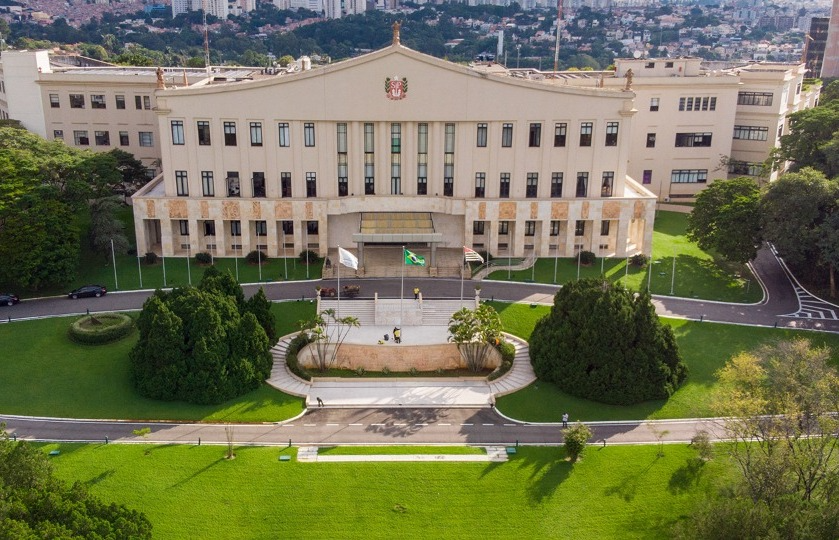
<point x="88" y="290"/>
<point x="8" y="299"/>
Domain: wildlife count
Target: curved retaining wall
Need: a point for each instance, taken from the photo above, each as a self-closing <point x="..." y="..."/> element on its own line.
<point x="397" y="357"/>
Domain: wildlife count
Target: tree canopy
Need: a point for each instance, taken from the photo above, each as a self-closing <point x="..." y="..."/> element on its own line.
<point x="475" y="331"/>
<point x="35" y="504"/>
<point x="605" y="343"/>
<point x="726" y="219"/>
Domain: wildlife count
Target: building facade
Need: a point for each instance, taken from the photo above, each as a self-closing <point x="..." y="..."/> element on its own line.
<point x="424" y="153"/>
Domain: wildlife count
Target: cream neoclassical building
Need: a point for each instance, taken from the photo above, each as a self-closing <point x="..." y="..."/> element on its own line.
<point x="394" y="147"/>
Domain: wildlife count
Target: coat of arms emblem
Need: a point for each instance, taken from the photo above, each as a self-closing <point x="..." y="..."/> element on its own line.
<point x="396" y="88"/>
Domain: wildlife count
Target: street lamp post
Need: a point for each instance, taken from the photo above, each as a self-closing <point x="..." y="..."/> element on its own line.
<point x="518" y="54"/>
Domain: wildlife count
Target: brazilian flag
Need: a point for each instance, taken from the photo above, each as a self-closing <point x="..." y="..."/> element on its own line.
<point x="413" y="259"/>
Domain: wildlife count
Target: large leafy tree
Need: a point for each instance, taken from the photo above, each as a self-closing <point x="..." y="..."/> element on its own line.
<point x="779" y="403"/>
<point x="603" y="342"/>
<point x="35" y="504"/>
<point x="106" y="227"/>
<point x="726" y="219"/>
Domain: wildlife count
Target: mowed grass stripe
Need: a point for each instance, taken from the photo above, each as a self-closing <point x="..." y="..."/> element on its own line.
<point x="192" y="492"/>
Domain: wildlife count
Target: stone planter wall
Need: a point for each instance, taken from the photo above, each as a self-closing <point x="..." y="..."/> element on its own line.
<point x="396" y="357"/>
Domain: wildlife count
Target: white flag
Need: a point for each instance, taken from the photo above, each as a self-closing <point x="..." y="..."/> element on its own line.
<point x="471" y="255"/>
<point x="347" y="259"/>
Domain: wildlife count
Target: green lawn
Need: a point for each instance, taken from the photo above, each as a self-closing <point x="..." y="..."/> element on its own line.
<point x="46" y="374"/>
<point x="698" y="273"/>
<point x="705" y="347"/>
<point x="398" y="450"/>
<point x="192" y="492"/>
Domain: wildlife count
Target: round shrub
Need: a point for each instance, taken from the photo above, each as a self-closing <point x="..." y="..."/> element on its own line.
<point x="103" y="328"/>
<point x="299" y="341"/>
<point x="587" y="258"/>
<point x="308" y="256"/>
<point x="203" y="258"/>
<point x="256" y="257"/>
<point x="639" y="260"/>
<point x="150" y="257"/>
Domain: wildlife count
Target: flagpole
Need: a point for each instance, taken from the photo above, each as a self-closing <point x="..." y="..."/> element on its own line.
<point x="402" y="287"/>
<point x="462" y="263"/>
<point x="338" y="266"/>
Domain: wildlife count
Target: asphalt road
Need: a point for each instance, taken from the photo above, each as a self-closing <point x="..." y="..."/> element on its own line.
<point x="781" y="307"/>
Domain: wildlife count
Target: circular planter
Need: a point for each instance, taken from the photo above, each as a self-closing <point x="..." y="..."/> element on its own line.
<point x="102" y="328"/>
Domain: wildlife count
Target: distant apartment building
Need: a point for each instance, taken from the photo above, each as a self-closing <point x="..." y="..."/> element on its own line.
<point x="830" y="64"/>
<point x="217" y="8"/>
<point x="814" y="45"/>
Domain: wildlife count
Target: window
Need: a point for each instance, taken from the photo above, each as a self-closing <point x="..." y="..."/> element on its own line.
<point x="177" y="132"/>
<point x="504" y="188"/>
<point x="309" y="134"/>
<point x="422" y="159"/>
<point x="751" y="133"/>
<point x="761" y="99"/>
<point x="54" y="103"/>
<point x="607" y="184"/>
<point x="554" y="228"/>
<point x="285" y="184"/>
<point x="146" y="138"/>
<point x="611" y="133"/>
<point x="234" y="189"/>
<point x="650" y="140"/>
<point x="209" y="228"/>
<point x="256" y="133"/>
<point x="692" y="139"/>
<point x="58" y="134"/>
<point x="560" y="132"/>
<point x="395" y="159"/>
<point x="261" y="228"/>
<point x="582" y="184"/>
<point x="503" y="227"/>
<point x="77" y="101"/>
<point x="744" y="168"/>
<point x="230" y="134"/>
<point x="534" y="136"/>
<point x="81" y="138"/>
<point x="689" y="176"/>
<point x="482" y="135"/>
<point x="123" y="138"/>
<point x="480" y="185"/>
<point x="649" y="65"/>
<point x="580" y="228"/>
<point x="668" y="64"/>
<point x="556" y="184"/>
<point x="288" y="227"/>
<point x="235" y="228"/>
<point x="604" y="227"/>
<point x="203" y="133"/>
<point x="311" y="184"/>
<point x="142" y="102"/>
<point x="532" y="185"/>
<point x="183" y="225"/>
<point x="312" y="227"/>
<point x="654" y="104"/>
<point x="698" y="103"/>
<point x="478" y="227"/>
<point x="648" y="177"/>
<point x="343" y="160"/>
<point x="448" y="162"/>
<point x="258" y="184"/>
<point x="530" y="228"/>
<point x="102" y="138"/>
<point x="369" y="159"/>
<point x="181" y="184"/>
<point x="120" y="100"/>
<point x="506" y="135"/>
<point x="586" y="129"/>
<point x="285" y="136"/>
<point x="147" y="103"/>
<point x="97" y="101"/>
<point x="208" y="187"/>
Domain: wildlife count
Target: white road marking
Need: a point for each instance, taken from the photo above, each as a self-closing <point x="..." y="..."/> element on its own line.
<point x="420" y="424"/>
<point x="309" y="425"/>
<point x="467" y="424"/>
<point x="510" y="425"/>
<point x="376" y="424"/>
<point x="400" y="425"/>
<point x="443" y="424"/>
<point x="355" y="424"/>
<point x="331" y="425"/>
<point x="488" y="424"/>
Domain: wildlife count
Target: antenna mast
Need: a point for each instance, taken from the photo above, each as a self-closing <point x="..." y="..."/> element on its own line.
<point x="558" y="31"/>
<point x="207" y="37"/>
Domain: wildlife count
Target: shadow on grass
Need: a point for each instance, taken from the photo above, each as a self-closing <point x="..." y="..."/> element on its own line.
<point x="203" y="470"/>
<point x="547" y="471"/>
<point x="686" y="477"/>
<point x="104" y="475"/>
<point x="627" y="489"/>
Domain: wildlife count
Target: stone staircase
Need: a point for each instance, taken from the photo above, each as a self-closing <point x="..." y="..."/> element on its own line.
<point x="520" y="375"/>
<point x="281" y="378"/>
<point x="363" y="310"/>
<point x="439" y="312"/>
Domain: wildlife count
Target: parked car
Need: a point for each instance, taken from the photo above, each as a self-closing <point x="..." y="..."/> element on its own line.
<point x="88" y="290"/>
<point x="8" y="299"/>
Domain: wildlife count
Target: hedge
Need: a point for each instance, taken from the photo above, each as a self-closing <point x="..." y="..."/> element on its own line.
<point x="299" y="341"/>
<point x="122" y="326"/>
<point x="508" y="355"/>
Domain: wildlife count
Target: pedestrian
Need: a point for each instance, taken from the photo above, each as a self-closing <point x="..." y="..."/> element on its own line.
<point x="320" y="402"/>
<point x="565" y="420"/>
<point x="416" y="293"/>
<point x="397" y="335"/>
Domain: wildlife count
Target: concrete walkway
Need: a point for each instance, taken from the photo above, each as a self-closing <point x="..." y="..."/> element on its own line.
<point x="494" y="454"/>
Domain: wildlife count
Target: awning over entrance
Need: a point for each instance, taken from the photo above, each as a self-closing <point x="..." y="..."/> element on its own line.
<point x="397" y="228"/>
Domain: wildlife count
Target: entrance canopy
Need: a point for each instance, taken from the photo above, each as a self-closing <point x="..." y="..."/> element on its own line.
<point x="397" y="228"/>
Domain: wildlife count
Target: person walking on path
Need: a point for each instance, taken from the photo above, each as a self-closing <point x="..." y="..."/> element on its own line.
<point x="397" y="335"/>
<point x="416" y="293"/>
<point x="320" y="402"/>
<point x="565" y="420"/>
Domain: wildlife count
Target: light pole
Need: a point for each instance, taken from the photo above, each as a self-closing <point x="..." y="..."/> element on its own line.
<point x="518" y="54"/>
